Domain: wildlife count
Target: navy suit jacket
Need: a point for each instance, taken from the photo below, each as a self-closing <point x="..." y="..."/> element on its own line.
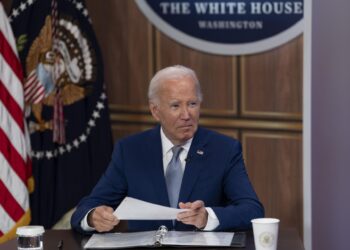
<point x="214" y="173"/>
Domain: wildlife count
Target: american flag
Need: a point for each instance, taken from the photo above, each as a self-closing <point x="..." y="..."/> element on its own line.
<point x="15" y="164"/>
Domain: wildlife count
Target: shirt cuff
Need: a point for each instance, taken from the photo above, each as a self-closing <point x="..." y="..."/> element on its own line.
<point x="213" y="221"/>
<point x="84" y="223"/>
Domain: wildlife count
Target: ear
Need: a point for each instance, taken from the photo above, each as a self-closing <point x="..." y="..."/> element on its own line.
<point x="154" y="110"/>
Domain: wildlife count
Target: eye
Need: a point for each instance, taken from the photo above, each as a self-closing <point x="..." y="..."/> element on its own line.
<point x="193" y="104"/>
<point x="174" y="105"/>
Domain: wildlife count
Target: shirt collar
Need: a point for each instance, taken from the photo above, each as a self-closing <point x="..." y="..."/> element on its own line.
<point x="167" y="144"/>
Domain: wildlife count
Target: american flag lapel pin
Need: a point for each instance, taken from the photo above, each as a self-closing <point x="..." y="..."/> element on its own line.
<point x="200" y="152"/>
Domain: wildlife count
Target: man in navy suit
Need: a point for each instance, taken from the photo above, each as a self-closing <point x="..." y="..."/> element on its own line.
<point x="215" y="185"/>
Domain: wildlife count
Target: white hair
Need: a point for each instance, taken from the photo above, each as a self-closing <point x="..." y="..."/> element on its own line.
<point x="175" y="72"/>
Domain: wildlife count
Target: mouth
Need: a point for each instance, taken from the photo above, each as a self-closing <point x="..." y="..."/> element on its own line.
<point x="186" y="126"/>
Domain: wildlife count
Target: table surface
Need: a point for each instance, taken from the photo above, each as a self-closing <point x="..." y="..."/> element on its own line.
<point x="287" y="239"/>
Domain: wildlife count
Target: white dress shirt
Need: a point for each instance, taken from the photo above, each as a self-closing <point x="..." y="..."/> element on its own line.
<point x="167" y="145"/>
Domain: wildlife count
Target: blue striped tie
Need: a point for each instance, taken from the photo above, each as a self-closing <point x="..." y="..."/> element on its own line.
<point x="173" y="176"/>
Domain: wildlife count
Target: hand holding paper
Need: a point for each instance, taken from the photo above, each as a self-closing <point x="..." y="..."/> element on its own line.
<point x="134" y="209"/>
<point x="196" y="215"/>
<point x="102" y="219"/>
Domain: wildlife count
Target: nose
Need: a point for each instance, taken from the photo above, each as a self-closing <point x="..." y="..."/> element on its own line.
<point x="185" y="114"/>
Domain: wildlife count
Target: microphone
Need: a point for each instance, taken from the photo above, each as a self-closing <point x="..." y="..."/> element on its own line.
<point x="187" y="158"/>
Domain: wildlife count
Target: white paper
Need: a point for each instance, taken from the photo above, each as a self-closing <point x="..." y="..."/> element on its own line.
<point x="121" y="240"/>
<point x="183" y="238"/>
<point x="134" y="209"/>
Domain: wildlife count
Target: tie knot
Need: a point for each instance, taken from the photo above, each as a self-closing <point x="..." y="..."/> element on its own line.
<point x="176" y="151"/>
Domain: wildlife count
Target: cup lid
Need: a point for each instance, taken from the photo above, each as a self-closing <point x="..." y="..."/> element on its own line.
<point x="265" y="220"/>
<point x="30" y="230"/>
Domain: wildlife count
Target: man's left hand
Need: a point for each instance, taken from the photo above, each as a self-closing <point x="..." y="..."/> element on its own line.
<point x="197" y="214"/>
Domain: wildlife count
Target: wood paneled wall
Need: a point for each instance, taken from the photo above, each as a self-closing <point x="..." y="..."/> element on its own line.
<point x="255" y="98"/>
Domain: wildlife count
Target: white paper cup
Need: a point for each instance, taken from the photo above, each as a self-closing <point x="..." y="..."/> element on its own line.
<point x="265" y="233"/>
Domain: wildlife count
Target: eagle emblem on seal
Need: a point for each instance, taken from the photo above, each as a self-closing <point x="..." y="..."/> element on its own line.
<point x="60" y="67"/>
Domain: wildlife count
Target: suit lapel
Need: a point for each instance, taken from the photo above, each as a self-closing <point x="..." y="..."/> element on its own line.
<point x="194" y="165"/>
<point x="156" y="171"/>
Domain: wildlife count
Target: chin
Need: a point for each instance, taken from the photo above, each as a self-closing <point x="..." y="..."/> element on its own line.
<point x="187" y="136"/>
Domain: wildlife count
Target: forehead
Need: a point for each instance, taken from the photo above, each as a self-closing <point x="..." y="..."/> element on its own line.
<point x="179" y="85"/>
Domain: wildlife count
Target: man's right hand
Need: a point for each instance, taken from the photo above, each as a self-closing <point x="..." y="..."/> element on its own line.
<point x="102" y="219"/>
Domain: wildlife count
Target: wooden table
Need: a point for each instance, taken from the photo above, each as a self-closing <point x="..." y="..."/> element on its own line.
<point x="288" y="239"/>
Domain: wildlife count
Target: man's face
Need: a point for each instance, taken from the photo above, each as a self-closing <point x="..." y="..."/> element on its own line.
<point x="177" y="109"/>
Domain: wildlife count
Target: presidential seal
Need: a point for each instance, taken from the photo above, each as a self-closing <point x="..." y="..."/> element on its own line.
<point x="266" y="239"/>
<point x="63" y="86"/>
